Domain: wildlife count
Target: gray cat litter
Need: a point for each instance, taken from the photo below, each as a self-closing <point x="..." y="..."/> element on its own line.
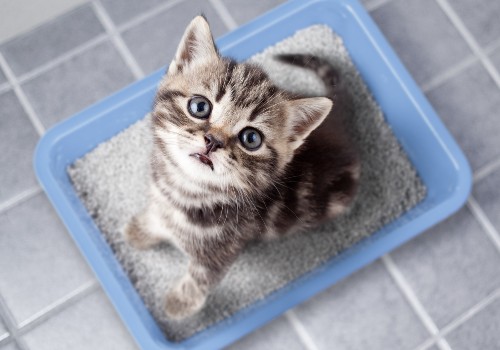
<point x="112" y="181"/>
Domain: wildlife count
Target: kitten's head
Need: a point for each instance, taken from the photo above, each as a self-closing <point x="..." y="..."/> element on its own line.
<point x="225" y="123"/>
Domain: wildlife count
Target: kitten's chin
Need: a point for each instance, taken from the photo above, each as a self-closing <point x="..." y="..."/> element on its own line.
<point x="196" y="163"/>
<point x="194" y="168"/>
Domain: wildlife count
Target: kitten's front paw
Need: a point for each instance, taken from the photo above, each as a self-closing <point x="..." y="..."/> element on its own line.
<point x="184" y="300"/>
<point x="137" y="237"/>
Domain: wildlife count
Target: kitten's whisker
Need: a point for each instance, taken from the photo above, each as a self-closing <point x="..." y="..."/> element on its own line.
<point x="290" y="177"/>
<point x="277" y="190"/>
<point x="227" y="212"/>
<point x="173" y="139"/>
<point x="269" y="108"/>
<point x="168" y="131"/>
<point x="226" y="74"/>
<point x="283" y="185"/>
<point x="268" y="98"/>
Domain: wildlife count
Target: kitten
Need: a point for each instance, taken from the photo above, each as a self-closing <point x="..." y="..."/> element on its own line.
<point x="237" y="159"/>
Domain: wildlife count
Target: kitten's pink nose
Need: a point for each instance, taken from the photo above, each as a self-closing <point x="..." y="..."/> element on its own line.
<point x="212" y="143"/>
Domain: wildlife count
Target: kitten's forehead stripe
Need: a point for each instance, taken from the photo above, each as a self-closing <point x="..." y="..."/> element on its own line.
<point x="177" y="116"/>
<point x="169" y="95"/>
<point x="225" y="78"/>
<point x="261" y="106"/>
<point x="248" y="85"/>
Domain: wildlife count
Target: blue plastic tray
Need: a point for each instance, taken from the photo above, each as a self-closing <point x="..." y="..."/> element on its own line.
<point x="437" y="158"/>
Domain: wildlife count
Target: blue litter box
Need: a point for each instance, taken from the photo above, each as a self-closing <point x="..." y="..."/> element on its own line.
<point x="437" y="158"/>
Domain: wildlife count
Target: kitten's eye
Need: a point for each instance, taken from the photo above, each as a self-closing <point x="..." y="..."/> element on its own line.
<point x="199" y="107"/>
<point x="250" y="138"/>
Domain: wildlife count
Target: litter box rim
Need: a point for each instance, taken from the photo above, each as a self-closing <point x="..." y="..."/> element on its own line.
<point x="54" y="149"/>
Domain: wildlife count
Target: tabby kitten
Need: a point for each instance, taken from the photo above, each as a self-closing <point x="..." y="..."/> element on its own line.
<point x="237" y="159"/>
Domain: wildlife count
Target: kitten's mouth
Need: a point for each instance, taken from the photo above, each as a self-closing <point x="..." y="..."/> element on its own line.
<point x="204" y="159"/>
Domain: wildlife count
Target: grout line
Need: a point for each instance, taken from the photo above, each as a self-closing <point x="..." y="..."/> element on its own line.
<point x="486" y="170"/>
<point x="461" y="319"/>
<point x="4" y="338"/>
<point x="449" y="73"/>
<point x="62" y="58"/>
<point x="117" y="40"/>
<point x="485" y="223"/>
<point x="376" y="4"/>
<point x="474" y="310"/>
<point x="426" y="344"/>
<point x="147" y="15"/>
<point x="224" y="14"/>
<point x="304" y="336"/>
<point x="15" y="331"/>
<point x="10" y="323"/>
<point x="28" y="108"/>
<point x="457" y="68"/>
<point x="401" y="282"/>
<point x="412" y="299"/>
<point x="19" y="198"/>
<point x="469" y="39"/>
<point x="58" y="306"/>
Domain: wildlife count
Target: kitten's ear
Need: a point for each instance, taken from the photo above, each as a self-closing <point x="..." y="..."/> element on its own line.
<point x="307" y="114"/>
<point x="197" y="44"/>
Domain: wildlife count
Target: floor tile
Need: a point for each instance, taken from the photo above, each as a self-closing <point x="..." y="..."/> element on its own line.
<point x="3" y="79"/>
<point x="50" y="40"/>
<point x="278" y="335"/>
<point x="358" y="312"/>
<point x="480" y="17"/>
<point x="409" y="24"/>
<point x="77" y="83"/>
<point x="3" y="329"/>
<point x="155" y="41"/>
<point x="487" y="194"/>
<point x="479" y="332"/>
<point x="91" y="323"/>
<point x="244" y="10"/>
<point x="9" y="346"/>
<point x="122" y="11"/>
<point x="39" y="263"/>
<point x="22" y="15"/>
<point x="451" y="267"/>
<point x="495" y="58"/>
<point x="469" y="104"/>
<point x="18" y="139"/>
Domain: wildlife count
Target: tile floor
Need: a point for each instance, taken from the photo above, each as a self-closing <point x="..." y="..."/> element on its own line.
<point x="23" y="15"/>
<point x="440" y="291"/>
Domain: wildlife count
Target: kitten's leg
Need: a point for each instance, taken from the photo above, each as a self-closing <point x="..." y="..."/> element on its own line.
<point x="189" y="295"/>
<point x="346" y="188"/>
<point x="144" y="230"/>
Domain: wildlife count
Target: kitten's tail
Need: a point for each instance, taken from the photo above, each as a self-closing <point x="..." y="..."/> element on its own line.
<point x="321" y="67"/>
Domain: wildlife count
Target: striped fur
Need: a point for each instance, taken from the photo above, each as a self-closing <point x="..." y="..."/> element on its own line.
<point x="305" y="172"/>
